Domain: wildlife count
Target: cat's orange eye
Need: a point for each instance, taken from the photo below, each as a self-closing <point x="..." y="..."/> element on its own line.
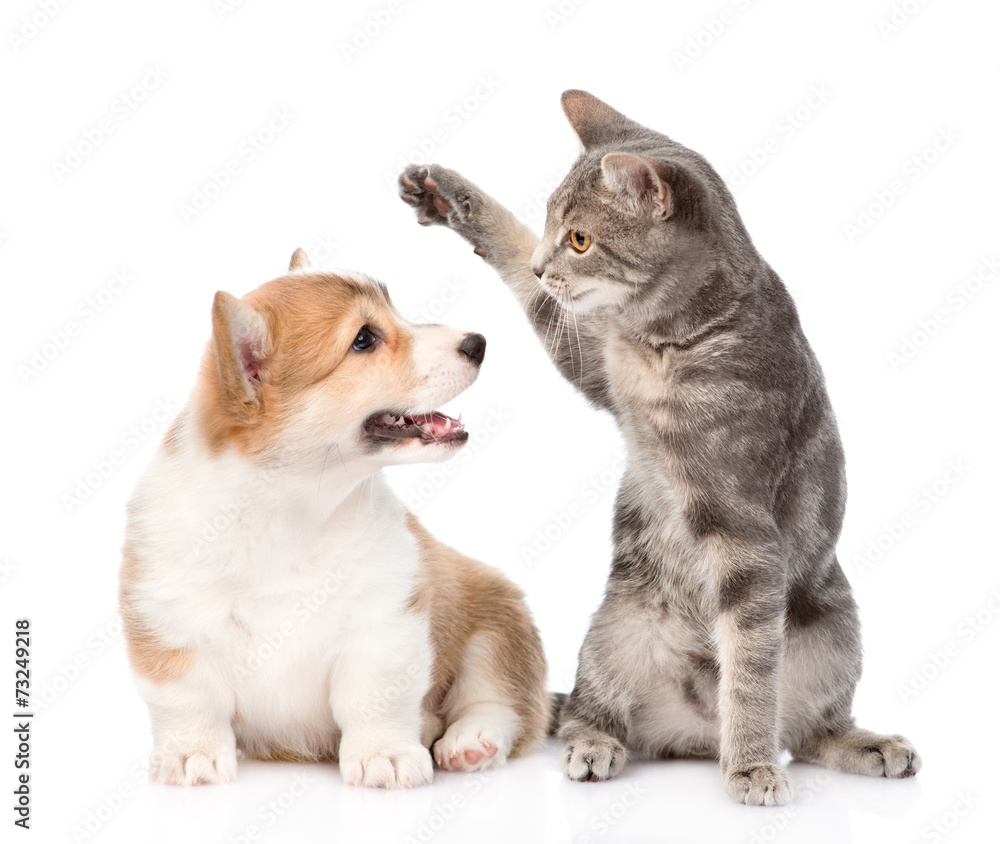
<point x="580" y="241"/>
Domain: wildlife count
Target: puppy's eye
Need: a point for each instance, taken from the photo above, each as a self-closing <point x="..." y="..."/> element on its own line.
<point x="364" y="340"/>
<point x="580" y="241"/>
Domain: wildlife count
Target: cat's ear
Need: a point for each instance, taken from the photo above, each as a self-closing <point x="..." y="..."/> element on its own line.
<point x="595" y="122"/>
<point x="636" y="179"/>
<point x="241" y="341"/>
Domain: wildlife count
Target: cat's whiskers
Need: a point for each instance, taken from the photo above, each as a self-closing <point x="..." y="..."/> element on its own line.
<point x="579" y="346"/>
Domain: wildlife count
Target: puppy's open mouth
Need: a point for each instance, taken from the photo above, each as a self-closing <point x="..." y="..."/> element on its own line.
<point x="433" y="427"/>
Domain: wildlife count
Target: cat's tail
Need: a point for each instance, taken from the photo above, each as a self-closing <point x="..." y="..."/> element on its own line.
<point x="557" y="700"/>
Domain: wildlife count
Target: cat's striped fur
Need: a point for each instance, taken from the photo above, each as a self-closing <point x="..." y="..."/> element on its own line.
<point x="728" y="627"/>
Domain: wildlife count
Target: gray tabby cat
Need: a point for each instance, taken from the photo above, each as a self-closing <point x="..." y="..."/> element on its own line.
<point x="728" y="627"/>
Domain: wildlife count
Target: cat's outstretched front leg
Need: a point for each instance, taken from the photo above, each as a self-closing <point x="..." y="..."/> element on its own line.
<point x="444" y="197"/>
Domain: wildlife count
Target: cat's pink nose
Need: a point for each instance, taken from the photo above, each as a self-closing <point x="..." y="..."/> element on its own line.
<point x="538" y="262"/>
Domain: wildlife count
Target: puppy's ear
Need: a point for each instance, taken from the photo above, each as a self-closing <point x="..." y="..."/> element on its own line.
<point x="300" y="260"/>
<point x="241" y="341"/>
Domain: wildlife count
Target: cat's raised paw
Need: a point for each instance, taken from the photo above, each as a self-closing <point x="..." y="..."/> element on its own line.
<point x="593" y="758"/>
<point x="442" y="197"/>
<point x="760" y="785"/>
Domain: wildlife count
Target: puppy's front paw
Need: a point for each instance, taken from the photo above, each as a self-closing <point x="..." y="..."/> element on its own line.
<point x="470" y="746"/>
<point x="194" y="767"/>
<point x="760" y="785"/>
<point x="405" y="768"/>
<point x="592" y="757"/>
<point x="444" y="197"/>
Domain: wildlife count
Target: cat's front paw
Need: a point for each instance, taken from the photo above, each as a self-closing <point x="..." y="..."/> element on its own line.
<point x="444" y="197"/>
<point x="760" y="785"/>
<point x="593" y="757"/>
<point x="889" y="756"/>
<point x="171" y="766"/>
<point x="407" y="767"/>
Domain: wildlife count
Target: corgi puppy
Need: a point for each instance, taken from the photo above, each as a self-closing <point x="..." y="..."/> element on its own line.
<point x="277" y="598"/>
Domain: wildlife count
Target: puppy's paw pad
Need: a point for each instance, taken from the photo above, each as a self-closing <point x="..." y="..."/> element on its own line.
<point x="891" y="756"/>
<point x="406" y="768"/>
<point x="760" y="785"/>
<point x="470" y="747"/>
<point x="599" y="757"/>
<point x="194" y="768"/>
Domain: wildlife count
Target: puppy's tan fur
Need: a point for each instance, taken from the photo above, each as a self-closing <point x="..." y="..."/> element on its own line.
<point x="278" y="437"/>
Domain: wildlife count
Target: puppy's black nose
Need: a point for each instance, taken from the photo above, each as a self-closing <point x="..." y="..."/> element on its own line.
<point x="474" y="348"/>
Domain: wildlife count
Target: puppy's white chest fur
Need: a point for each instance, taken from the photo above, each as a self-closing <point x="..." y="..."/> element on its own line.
<point x="277" y="597"/>
<point x="273" y="594"/>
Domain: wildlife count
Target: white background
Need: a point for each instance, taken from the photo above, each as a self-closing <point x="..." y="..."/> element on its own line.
<point x="477" y="86"/>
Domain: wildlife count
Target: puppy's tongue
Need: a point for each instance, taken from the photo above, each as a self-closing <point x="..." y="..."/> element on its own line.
<point x="436" y="426"/>
<point x="431" y="427"/>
